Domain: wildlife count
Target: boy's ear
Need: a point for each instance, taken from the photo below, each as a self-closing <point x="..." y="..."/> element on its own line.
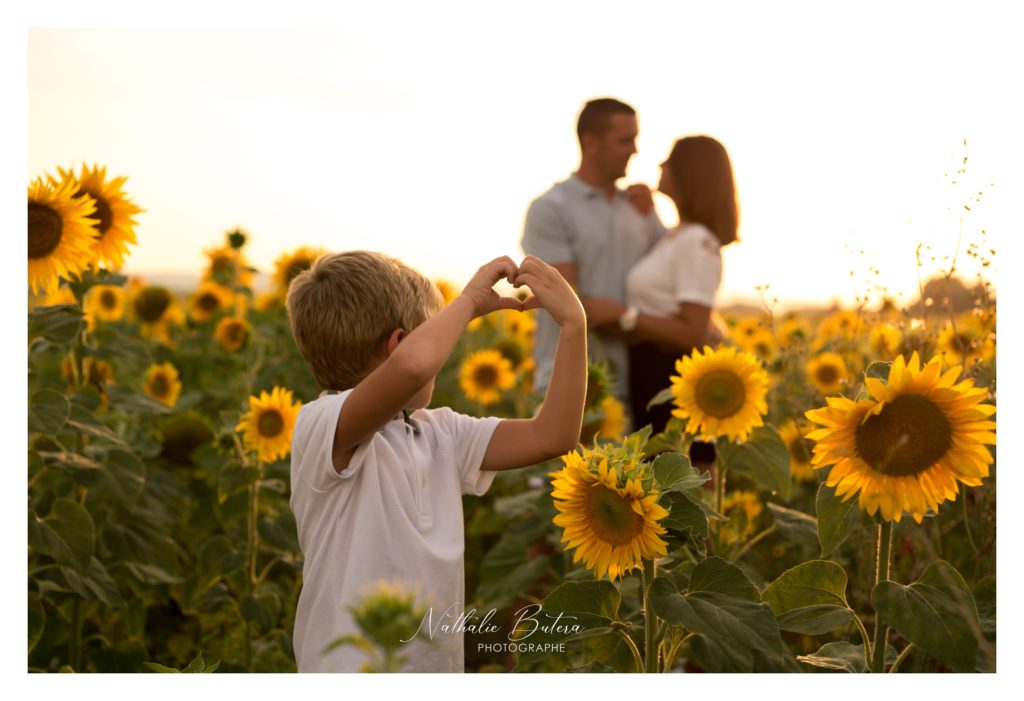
<point x="396" y="337"/>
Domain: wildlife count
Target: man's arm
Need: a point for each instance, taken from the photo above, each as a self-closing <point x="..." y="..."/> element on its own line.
<point x="556" y="429"/>
<point x="415" y="361"/>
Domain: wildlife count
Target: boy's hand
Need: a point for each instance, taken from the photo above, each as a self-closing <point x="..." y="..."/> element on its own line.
<point x="480" y="289"/>
<point x="550" y="291"/>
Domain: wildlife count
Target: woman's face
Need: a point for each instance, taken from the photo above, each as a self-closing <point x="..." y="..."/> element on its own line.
<point x="665" y="184"/>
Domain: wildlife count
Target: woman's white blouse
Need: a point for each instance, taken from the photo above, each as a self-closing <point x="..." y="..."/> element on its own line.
<point x="684" y="266"/>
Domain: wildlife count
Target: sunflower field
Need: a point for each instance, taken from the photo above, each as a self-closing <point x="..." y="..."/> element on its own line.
<point x="845" y="523"/>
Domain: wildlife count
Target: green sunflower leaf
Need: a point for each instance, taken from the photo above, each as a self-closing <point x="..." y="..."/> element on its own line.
<point x="764" y="458"/>
<point x="661" y="397"/>
<point x="674" y="473"/>
<point x="878" y="370"/>
<point x="810" y="598"/>
<point x="685" y="514"/>
<point x="36" y="620"/>
<point x="58" y="325"/>
<point x="937" y="613"/>
<point x="67" y="534"/>
<point x="794" y="525"/>
<point x="844" y="656"/>
<point x="721" y="577"/>
<point x="836" y="519"/>
<point x="47" y="412"/>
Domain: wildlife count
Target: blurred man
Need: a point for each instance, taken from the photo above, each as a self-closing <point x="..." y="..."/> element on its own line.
<point x="593" y="231"/>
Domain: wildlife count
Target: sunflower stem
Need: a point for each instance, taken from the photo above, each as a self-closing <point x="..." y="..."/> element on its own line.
<point x="637" y="661"/>
<point x="967" y="525"/>
<point x="902" y="656"/>
<point x="754" y="541"/>
<point x="882" y="566"/>
<point x="650" y="620"/>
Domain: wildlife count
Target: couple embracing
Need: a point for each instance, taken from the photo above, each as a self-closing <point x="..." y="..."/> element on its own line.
<point x="648" y="292"/>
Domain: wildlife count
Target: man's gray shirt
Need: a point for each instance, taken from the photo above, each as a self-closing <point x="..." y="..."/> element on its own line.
<point x="574" y="222"/>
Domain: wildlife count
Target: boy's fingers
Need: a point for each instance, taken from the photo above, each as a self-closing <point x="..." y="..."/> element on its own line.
<point x="531" y="302"/>
<point x="509" y="303"/>
<point x="527" y="279"/>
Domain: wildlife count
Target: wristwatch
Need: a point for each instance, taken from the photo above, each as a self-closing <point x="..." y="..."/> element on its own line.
<point x="627" y="322"/>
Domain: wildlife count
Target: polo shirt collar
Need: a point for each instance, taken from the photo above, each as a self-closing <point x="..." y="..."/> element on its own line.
<point x="589" y="191"/>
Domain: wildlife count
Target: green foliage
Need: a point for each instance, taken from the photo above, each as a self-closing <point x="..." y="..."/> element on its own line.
<point x="937" y="613"/>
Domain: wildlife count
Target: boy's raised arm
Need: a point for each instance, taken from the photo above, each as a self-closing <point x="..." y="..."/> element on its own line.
<point x="556" y="428"/>
<point x="414" y="359"/>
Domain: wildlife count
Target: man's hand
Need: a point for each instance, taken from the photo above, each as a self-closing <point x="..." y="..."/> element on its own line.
<point x="640" y="197"/>
<point x="602" y="310"/>
<point x="480" y="289"/>
<point x="550" y="291"/>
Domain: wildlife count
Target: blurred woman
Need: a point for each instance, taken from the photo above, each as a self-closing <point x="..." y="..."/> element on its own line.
<point x="671" y="291"/>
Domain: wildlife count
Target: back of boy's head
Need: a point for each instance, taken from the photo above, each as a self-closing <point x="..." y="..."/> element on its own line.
<point x="345" y="307"/>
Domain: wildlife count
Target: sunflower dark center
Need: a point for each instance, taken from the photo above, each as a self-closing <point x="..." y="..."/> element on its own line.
<point x="297" y="267"/>
<point x="270" y="424"/>
<point x="159" y="385"/>
<point x="720" y="393"/>
<point x="44" y="230"/>
<point x="151" y="303"/>
<point x="103" y="212"/>
<point x="233" y="332"/>
<point x="798" y="449"/>
<point x="827" y="374"/>
<point x="611" y="516"/>
<point x="108" y="300"/>
<point x="208" y="302"/>
<point x="909" y="435"/>
<point x="511" y="351"/>
<point x="485" y="375"/>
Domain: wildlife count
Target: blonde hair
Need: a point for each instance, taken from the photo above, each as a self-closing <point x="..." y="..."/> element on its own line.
<point x="346" y="305"/>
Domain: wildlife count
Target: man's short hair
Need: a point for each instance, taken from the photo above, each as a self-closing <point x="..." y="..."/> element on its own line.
<point x="596" y="116"/>
<point x="347" y="305"/>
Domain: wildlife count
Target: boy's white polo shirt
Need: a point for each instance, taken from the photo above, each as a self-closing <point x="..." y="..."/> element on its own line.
<point x="394" y="513"/>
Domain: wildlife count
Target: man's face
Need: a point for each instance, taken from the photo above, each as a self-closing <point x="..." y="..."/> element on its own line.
<point x="614" y="148"/>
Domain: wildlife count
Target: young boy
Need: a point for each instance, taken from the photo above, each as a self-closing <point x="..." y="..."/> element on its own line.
<point x="377" y="493"/>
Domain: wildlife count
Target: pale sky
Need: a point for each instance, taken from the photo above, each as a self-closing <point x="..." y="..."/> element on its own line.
<point x="427" y="139"/>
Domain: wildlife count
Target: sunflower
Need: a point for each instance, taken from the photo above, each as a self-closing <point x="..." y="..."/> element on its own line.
<point x="448" y="291"/>
<point x="827" y="372"/>
<point x="745" y="330"/>
<point x="884" y="340"/>
<point x="906" y="447"/>
<point x="794" y="331"/>
<point x="232" y="332"/>
<point x="721" y="392"/>
<point x="114" y="229"/>
<point x="104" y="303"/>
<point x="613" y="425"/>
<point x="606" y="513"/>
<point x="741" y="508"/>
<point x="841" y="324"/>
<point x="764" y="346"/>
<point x="799" y="452"/>
<point x="267" y="426"/>
<point x="161" y="383"/>
<point x="209" y="299"/>
<point x="522" y="325"/>
<point x="62" y="295"/>
<point x="483" y="374"/>
<point x="512" y="350"/>
<point x="288" y="265"/>
<point x="155" y="309"/>
<point x="60" y="234"/>
<point x="228" y="266"/>
<point x="965" y="342"/>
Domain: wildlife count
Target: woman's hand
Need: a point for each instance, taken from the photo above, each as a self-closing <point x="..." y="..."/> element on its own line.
<point x="602" y="310"/>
